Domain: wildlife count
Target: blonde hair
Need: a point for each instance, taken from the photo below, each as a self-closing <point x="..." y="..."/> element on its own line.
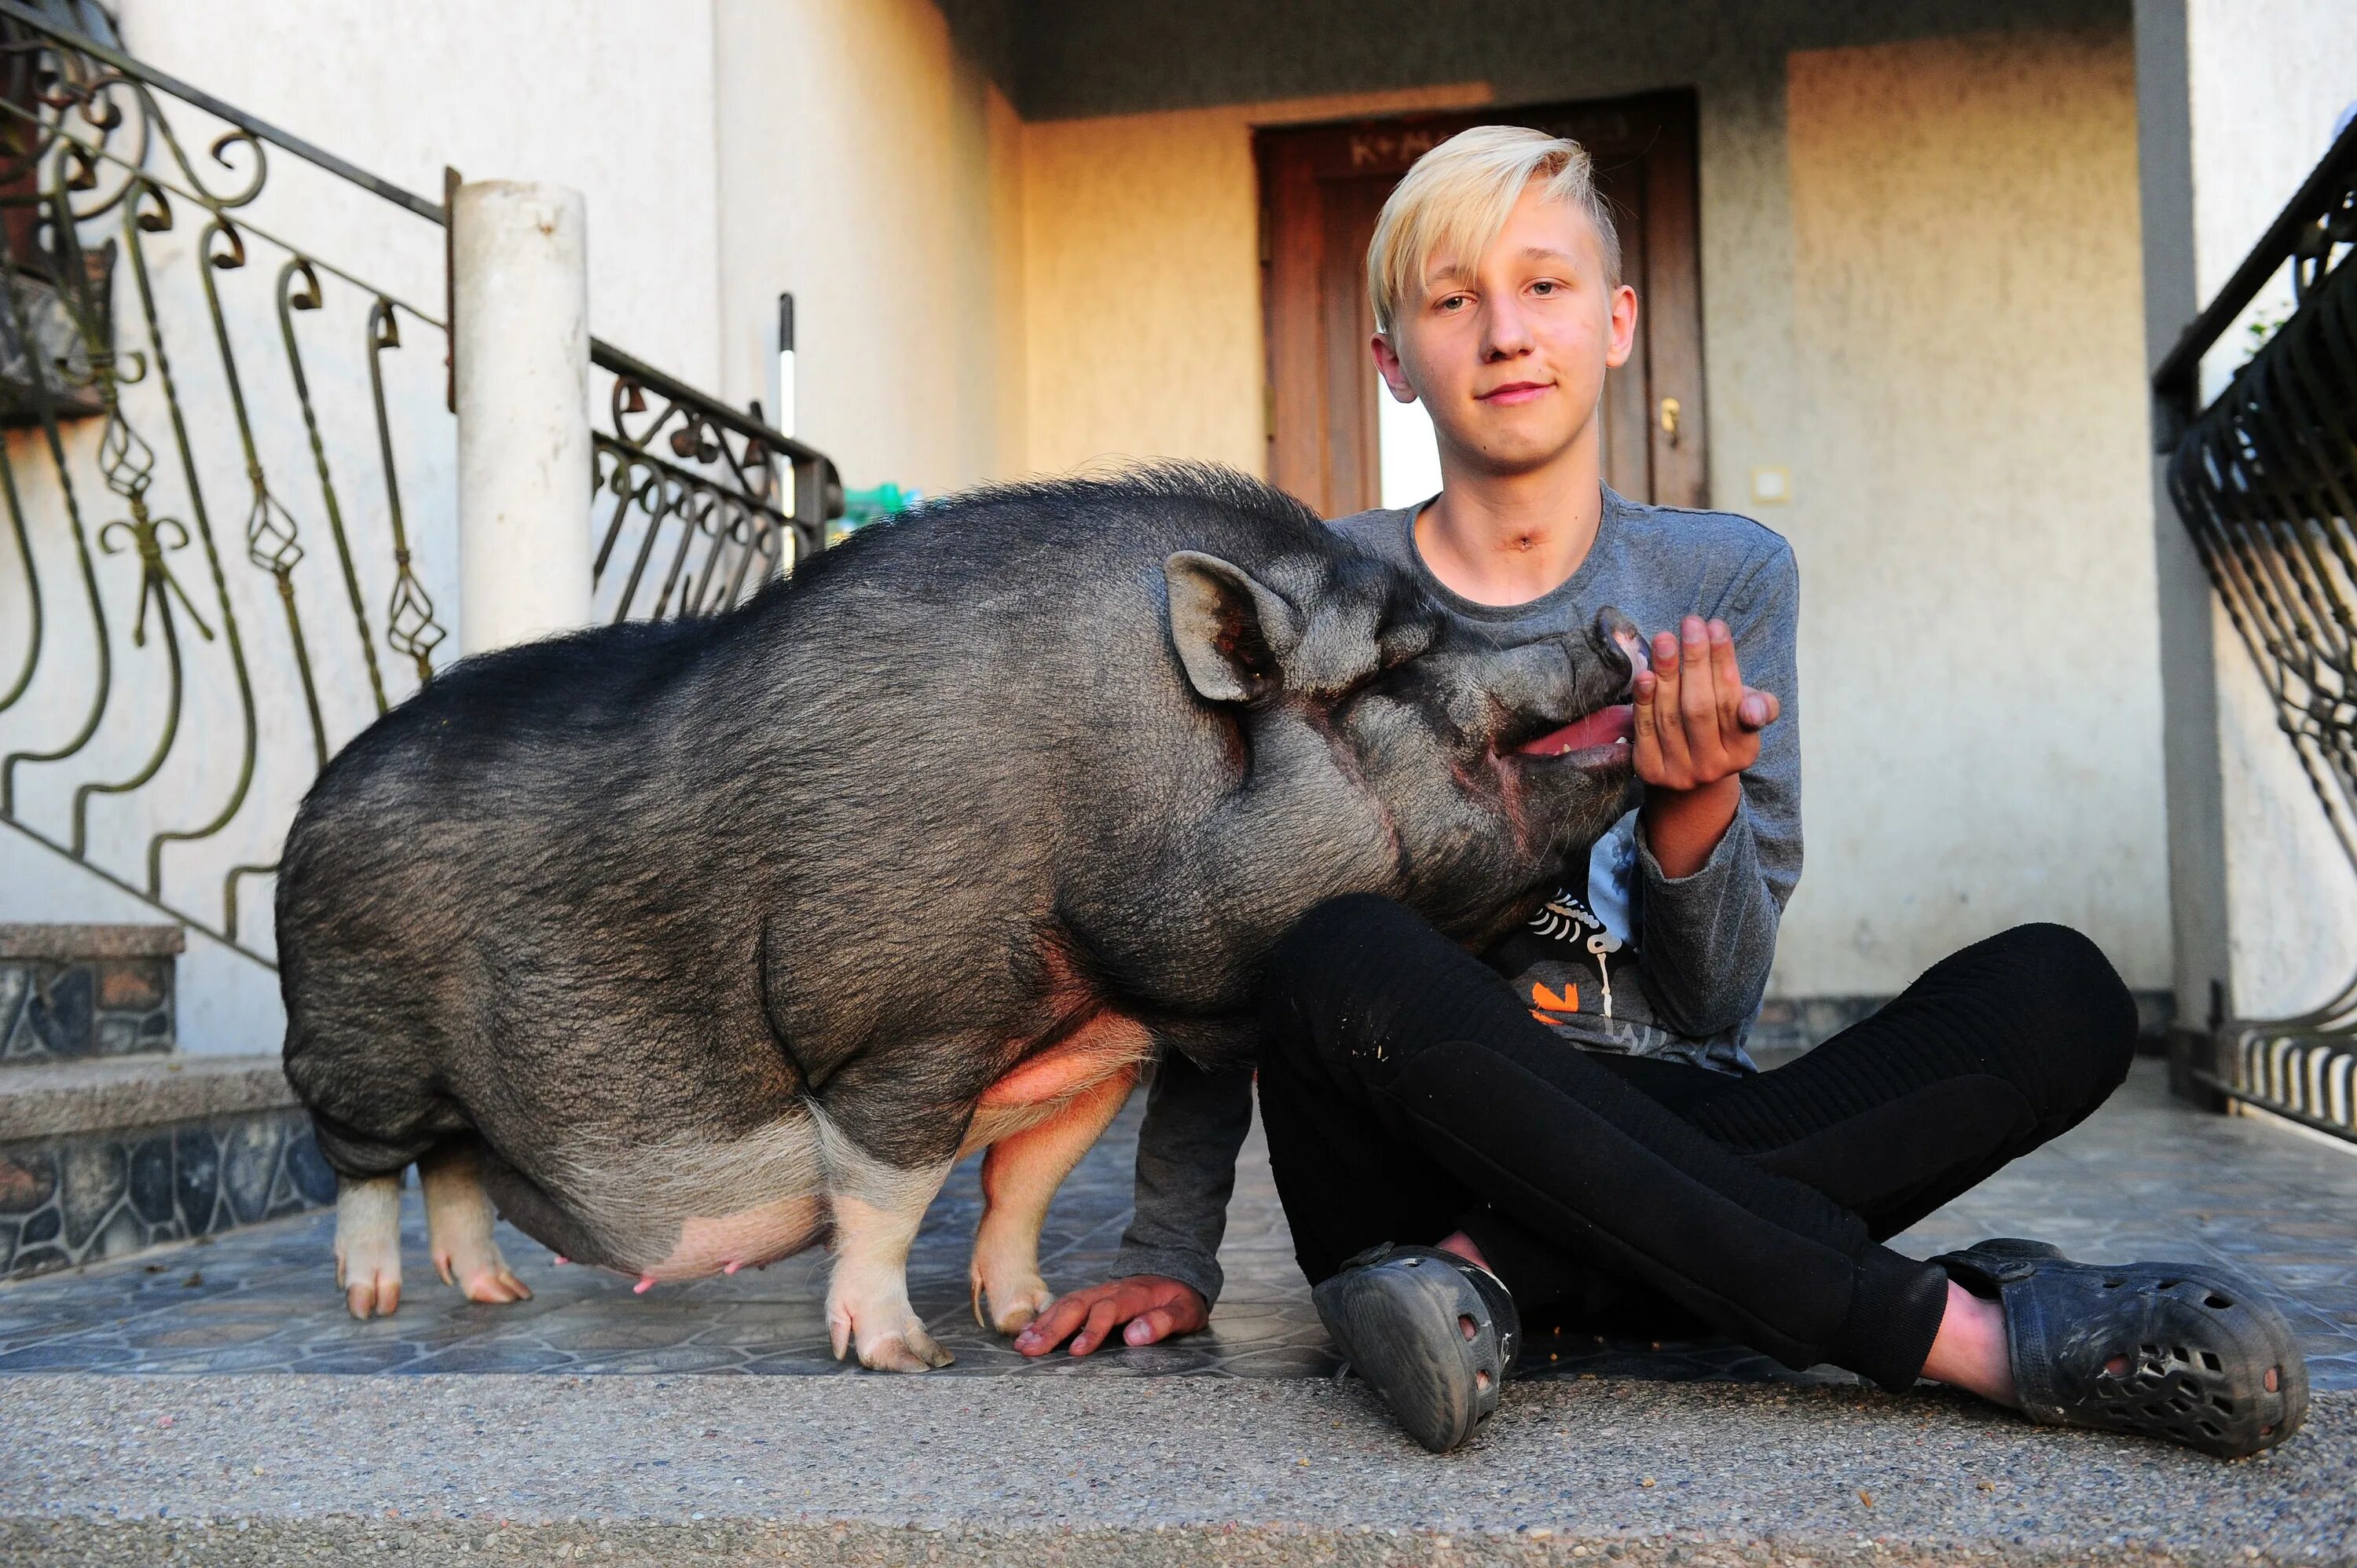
<point x="1455" y="198"/>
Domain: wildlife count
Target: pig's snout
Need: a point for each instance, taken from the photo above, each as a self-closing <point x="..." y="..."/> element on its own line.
<point x="1585" y="710"/>
<point x="1619" y="645"/>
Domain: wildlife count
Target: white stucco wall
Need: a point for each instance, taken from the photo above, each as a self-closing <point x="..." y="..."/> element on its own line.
<point x="726" y="149"/>
<point x="614" y="101"/>
<point x="1912" y="301"/>
<point x="533" y="90"/>
<point x="2267" y="80"/>
<point x="1971" y="512"/>
<point x="870" y="169"/>
<point x="1921" y="298"/>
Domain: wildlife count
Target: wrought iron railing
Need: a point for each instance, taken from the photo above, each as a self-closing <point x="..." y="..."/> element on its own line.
<point x="698" y="504"/>
<point x="229" y="472"/>
<point x="2265" y="480"/>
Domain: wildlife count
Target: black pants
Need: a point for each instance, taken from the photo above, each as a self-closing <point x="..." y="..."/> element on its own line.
<point x="1407" y="1094"/>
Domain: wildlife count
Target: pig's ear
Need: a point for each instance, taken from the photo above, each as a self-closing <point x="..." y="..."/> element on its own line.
<point x="1232" y="634"/>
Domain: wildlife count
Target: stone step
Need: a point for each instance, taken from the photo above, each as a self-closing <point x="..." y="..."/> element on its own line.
<point x="102" y="1157"/>
<point x="61" y="1099"/>
<point x="71" y="992"/>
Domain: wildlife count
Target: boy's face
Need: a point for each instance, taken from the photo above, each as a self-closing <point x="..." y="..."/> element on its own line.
<point x="1509" y="354"/>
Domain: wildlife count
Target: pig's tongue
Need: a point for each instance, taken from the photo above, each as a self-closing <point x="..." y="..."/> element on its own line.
<point x="1606" y="726"/>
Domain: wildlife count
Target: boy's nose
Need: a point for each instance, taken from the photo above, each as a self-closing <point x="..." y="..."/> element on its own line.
<point x="1508" y="335"/>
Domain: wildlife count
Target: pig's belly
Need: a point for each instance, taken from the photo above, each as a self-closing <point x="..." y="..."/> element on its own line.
<point x="679" y="1211"/>
<point x="745" y="1239"/>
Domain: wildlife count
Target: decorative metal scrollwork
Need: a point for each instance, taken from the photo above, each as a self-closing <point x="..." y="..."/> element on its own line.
<point x="2265" y="481"/>
<point x="111" y="223"/>
<point x="703" y="503"/>
<point x="87" y="147"/>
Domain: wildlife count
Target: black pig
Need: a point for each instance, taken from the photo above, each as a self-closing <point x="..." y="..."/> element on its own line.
<point x="690" y="943"/>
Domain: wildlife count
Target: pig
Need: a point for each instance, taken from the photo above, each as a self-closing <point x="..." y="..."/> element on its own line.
<point x="689" y="944"/>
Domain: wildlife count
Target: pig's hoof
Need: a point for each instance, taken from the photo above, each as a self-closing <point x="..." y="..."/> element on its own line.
<point x="372" y="1285"/>
<point x="903" y="1347"/>
<point x="1011" y="1311"/>
<point x="481" y="1274"/>
<point x="910" y="1349"/>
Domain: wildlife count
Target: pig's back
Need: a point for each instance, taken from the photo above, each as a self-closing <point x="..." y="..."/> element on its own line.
<point x="795" y="818"/>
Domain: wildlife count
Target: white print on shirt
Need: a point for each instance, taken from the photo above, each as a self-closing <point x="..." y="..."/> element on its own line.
<point x="1562" y="916"/>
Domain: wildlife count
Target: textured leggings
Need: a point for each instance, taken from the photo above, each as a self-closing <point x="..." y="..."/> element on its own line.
<point x="1407" y="1094"/>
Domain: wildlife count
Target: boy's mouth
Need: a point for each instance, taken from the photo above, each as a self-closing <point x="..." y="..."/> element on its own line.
<point x="1513" y="392"/>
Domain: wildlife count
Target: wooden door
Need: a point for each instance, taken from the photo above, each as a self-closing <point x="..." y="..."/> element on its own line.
<point x="1322" y="187"/>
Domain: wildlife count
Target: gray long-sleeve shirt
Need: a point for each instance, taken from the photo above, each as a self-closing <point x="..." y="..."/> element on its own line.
<point x="1625" y="959"/>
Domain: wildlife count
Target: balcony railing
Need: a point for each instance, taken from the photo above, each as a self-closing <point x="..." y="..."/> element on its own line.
<point x="2265" y="480"/>
<point x="229" y="472"/>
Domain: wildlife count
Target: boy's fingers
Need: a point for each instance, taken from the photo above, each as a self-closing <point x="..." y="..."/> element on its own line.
<point x="1149" y="1328"/>
<point x="1726" y="675"/>
<point x="1099" y="1324"/>
<point x="1665" y="655"/>
<point x="1645" y="738"/>
<point x="1050" y="1331"/>
<point x="1697" y="701"/>
<point x="1669" y="722"/>
<point x="1758" y="710"/>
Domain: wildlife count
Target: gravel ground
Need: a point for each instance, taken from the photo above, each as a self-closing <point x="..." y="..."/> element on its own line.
<point x="277" y="1468"/>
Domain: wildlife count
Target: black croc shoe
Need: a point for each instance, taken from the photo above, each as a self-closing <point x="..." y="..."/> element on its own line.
<point x="2209" y="1363"/>
<point x="1430" y="1331"/>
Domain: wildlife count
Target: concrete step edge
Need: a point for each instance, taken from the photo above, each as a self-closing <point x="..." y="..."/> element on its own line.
<point x="71" y="941"/>
<point x="1053" y="1470"/>
<point x="284" y="1542"/>
<point x="52" y="1099"/>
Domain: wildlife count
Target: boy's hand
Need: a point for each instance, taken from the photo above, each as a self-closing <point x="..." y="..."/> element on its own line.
<point x="1154" y="1305"/>
<point x="1697" y="728"/>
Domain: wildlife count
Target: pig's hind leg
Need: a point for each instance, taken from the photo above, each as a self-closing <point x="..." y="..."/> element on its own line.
<point x="367" y="1243"/>
<point x="458" y="1226"/>
<point x="1020" y="1177"/>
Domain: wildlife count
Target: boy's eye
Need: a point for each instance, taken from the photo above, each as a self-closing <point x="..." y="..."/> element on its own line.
<point x="1546" y="286"/>
<point x="1454" y="302"/>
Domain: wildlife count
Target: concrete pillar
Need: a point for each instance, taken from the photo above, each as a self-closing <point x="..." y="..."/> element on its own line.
<point x="520" y="264"/>
<point x="2189" y="684"/>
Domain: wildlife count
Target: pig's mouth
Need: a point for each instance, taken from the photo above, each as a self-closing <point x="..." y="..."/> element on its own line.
<point x="1600" y="737"/>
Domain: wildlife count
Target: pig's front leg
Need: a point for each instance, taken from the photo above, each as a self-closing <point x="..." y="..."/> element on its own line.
<point x="1019" y="1178"/>
<point x="877" y="1208"/>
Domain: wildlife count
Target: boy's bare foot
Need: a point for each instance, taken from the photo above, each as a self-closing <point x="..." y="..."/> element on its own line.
<point x="1971" y="1351"/>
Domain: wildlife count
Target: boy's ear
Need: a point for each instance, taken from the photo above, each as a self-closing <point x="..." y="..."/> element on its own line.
<point x="1231" y="633"/>
<point x="1388" y="366"/>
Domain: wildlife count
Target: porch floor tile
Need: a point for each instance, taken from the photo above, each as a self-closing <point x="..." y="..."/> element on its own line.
<point x="2146" y="1177"/>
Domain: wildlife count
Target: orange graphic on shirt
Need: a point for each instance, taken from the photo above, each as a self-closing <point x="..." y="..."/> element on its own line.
<point x="1566" y="1003"/>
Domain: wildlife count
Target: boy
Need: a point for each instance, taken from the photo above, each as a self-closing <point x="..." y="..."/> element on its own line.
<point x="1586" y="1137"/>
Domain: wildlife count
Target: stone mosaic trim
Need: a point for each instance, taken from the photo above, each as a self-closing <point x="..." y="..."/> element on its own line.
<point x="69" y="992"/>
<point x="91" y="1195"/>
